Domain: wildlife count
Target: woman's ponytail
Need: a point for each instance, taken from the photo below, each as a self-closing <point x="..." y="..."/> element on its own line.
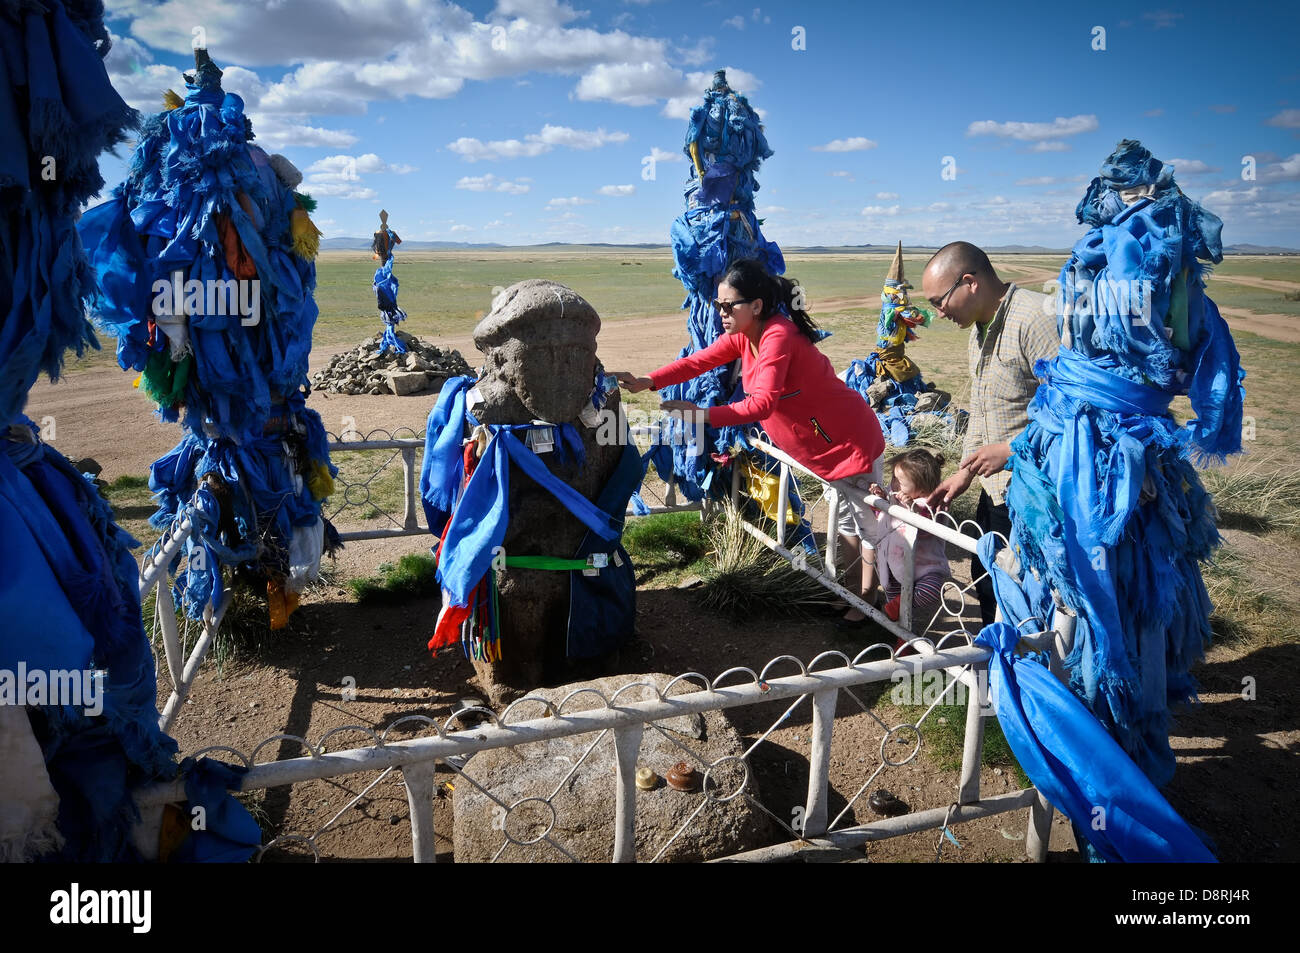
<point x="791" y="296"/>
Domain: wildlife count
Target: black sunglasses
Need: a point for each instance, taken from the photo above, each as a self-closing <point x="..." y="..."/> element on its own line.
<point x="940" y="303"/>
<point x="726" y="307"/>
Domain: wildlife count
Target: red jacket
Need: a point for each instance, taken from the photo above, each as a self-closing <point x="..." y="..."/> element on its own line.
<point x="791" y="387"/>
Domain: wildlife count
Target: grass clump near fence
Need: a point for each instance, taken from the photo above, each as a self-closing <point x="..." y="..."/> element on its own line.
<point x="745" y="577"/>
<point x="414" y="576"/>
<point x="1256" y="493"/>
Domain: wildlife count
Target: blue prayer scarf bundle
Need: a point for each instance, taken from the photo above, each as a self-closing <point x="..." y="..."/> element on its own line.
<point x="68" y="590"/>
<point x="1067" y="754"/>
<point x="717" y="228"/>
<point x="58" y="112"/>
<point x="202" y="204"/>
<point x="385" y="287"/>
<point x="1105" y="503"/>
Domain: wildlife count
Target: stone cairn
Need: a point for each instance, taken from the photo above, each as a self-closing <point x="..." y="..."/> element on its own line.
<point x="367" y="370"/>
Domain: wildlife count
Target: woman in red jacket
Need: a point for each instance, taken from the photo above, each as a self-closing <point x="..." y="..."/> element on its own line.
<point x="793" y="391"/>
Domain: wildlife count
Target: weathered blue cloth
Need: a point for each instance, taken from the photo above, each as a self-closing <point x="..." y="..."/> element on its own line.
<point x="58" y="112"/>
<point x="1104" y="501"/>
<point x="478" y="525"/>
<point x="443" y="470"/>
<point x="1066" y="752"/>
<point x="229" y="834"/>
<point x="602" y="606"/>
<point x="69" y="592"/>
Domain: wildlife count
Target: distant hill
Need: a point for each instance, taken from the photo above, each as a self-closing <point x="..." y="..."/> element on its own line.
<point x="363" y="244"/>
<point x="1247" y="249"/>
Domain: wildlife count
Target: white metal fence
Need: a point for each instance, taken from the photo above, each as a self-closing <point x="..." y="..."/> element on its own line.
<point x="625" y="715"/>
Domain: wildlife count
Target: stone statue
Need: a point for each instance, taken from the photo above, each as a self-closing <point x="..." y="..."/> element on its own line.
<point x="539" y="342"/>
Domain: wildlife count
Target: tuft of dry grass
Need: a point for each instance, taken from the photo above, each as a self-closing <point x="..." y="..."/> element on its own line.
<point x="747" y="577"/>
<point x="1246" y="612"/>
<point x="1256" y="493"/>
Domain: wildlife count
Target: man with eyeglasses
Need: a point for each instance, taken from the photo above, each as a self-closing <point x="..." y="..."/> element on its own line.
<point x="1011" y="329"/>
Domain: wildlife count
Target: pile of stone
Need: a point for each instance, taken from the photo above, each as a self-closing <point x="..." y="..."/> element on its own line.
<point x="367" y="370"/>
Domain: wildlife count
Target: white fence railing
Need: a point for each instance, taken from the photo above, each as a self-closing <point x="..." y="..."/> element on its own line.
<point x="820" y="684"/>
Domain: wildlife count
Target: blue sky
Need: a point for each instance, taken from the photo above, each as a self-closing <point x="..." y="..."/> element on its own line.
<point x="526" y="121"/>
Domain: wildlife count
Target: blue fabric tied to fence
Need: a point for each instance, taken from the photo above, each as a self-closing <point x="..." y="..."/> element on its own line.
<point x="1105" y="503"/>
<point x="1067" y="754"/>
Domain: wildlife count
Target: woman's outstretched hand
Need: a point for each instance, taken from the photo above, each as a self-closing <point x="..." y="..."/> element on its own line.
<point x="633" y="383"/>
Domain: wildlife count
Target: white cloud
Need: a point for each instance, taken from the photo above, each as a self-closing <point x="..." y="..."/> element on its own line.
<point x="571" y="200"/>
<point x="341" y="190"/>
<point x="349" y="53"/>
<point x="736" y="23"/>
<point x="939" y="207"/>
<point x="1030" y="131"/>
<point x="1191" y="167"/>
<point x="461" y="228"/>
<point x="697" y="55"/>
<point x="1287" y="118"/>
<point x="548" y="12"/>
<point x="648" y="81"/>
<point x="1049" y="145"/>
<point x="534" y="144"/>
<point x="1162" y="19"/>
<point x="855" y="144"/>
<point x="281" y="132"/>
<point x="880" y="210"/>
<point x="616" y="189"/>
<point x="694" y="85"/>
<point x="490" y="183"/>
<point x="350" y="168"/>
<point x="1153" y="113"/>
<point x="1233" y="197"/>
<point x="886" y="196"/>
<point x="1288" y="170"/>
<point x="842" y="174"/>
<point x="340" y="176"/>
<point x="660" y="156"/>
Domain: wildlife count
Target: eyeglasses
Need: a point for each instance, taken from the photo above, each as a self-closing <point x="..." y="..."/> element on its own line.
<point x="726" y="307"/>
<point x="942" y="301"/>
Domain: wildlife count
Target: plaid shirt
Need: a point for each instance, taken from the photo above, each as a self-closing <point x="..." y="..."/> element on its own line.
<point x="1002" y="373"/>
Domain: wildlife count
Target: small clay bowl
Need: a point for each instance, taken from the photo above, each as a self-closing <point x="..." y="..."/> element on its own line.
<point x="646" y="780"/>
<point x="682" y="777"/>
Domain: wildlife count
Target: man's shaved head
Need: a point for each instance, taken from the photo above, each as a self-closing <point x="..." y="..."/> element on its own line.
<point x="960" y="258"/>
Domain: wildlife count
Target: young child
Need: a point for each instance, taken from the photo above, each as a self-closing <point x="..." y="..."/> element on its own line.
<point x="916" y="474"/>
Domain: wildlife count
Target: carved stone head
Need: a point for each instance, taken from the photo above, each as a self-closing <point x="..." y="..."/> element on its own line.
<point x="540" y="344"/>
